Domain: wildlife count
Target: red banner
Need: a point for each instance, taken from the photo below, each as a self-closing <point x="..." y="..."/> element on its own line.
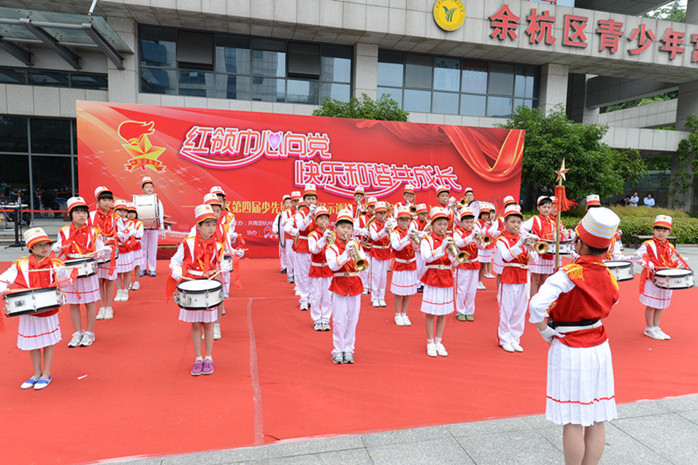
<point x="258" y="157"/>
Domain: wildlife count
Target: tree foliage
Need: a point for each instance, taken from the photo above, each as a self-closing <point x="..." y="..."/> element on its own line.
<point x="686" y="164"/>
<point x="595" y="167"/>
<point x="674" y="12"/>
<point x="365" y="107"/>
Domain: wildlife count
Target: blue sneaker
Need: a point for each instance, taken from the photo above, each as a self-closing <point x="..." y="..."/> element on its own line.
<point x="42" y="383"/>
<point x="28" y="384"/>
<point x="152" y="274"/>
<point x="142" y="273"/>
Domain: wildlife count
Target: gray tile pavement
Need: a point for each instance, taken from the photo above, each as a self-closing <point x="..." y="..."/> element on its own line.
<point x="653" y="432"/>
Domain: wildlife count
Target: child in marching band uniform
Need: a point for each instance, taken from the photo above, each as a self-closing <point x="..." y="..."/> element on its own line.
<point x="362" y="235"/>
<point x="104" y="219"/>
<point x="39" y="330"/>
<point x="151" y="235"/>
<point x="136" y="226"/>
<point x="408" y="200"/>
<point x="78" y="240"/>
<point x="124" y="261"/>
<point x="512" y="294"/>
<point x="657" y="254"/>
<point x="380" y="254"/>
<point x="580" y="387"/>
<point x="357" y="208"/>
<point x="226" y="224"/>
<point x="289" y="227"/>
<point x="304" y="225"/>
<point x="420" y="223"/>
<point x="481" y="227"/>
<point x="437" y="301"/>
<point x="467" y="240"/>
<point x="320" y="274"/>
<point x="198" y="257"/>
<point x="278" y="228"/>
<point x="404" y="282"/>
<point x="346" y="288"/>
<point x="495" y="231"/>
<point x="543" y="228"/>
<point x="447" y="203"/>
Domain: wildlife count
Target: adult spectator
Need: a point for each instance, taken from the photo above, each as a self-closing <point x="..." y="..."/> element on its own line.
<point x="634" y="199"/>
<point x="626" y="200"/>
<point x="648" y="200"/>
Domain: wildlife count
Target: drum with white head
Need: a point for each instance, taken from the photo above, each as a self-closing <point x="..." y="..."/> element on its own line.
<point x="199" y="294"/>
<point x="673" y="278"/>
<point x="86" y="266"/>
<point x="30" y="301"/>
<point x="621" y="269"/>
<point x="148" y="209"/>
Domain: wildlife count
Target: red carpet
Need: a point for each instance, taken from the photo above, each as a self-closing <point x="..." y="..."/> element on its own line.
<point x="274" y="379"/>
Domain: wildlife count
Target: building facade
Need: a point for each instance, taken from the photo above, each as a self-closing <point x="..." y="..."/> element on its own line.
<point x="485" y="59"/>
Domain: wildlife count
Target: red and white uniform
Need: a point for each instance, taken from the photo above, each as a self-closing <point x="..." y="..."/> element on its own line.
<point x="419" y="226"/>
<point x="580" y="371"/>
<point x="196" y="258"/>
<point x="346" y="288"/>
<point x="405" y="277"/>
<point x="225" y="231"/>
<point x="512" y="295"/>
<point x="380" y="259"/>
<point x="136" y="243"/>
<point x="106" y="225"/>
<point x="361" y="232"/>
<point x="466" y="274"/>
<point x="544" y="228"/>
<point x="289" y="227"/>
<point x="486" y="253"/>
<point x="451" y="217"/>
<point x="656" y="255"/>
<point x="150" y="241"/>
<point x="40" y="329"/>
<point x="124" y="236"/>
<point x="495" y="230"/>
<point x="278" y="228"/>
<point x="304" y="225"/>
<point x="438" y="277"/>
<point x="320" y="278"/>
<point x="75" y="242"/>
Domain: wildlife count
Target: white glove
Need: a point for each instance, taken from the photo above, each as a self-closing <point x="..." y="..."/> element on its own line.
<point x="549" y="333"/>
<point x="327" y="234"/>
<point x="448" y="240"/>
<point x="177" y="273"/>
<point x="351" y="245"/>
<point x="240" y="253"/>
<point x="233" y="237"/>
<point x="651" y="266"/>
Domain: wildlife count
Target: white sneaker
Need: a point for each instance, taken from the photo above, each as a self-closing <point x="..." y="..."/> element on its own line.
<point x="406" y="320"/>
<point x="124" y="295"/>
<point x="517" y="347"/>
<point x="490" y="276"/>
<point x="398" y="320"/>
<point x="431" y="350"/>
<point x="375" y="303"/>
<point x="100" y="313"/>
<point x="304" y="306"/>
<point x="652" y="332"/>
<point x="216" y="332"/>
<point x="135" y="286"/>
<point x="325" y="327"/>
<point x="365" y="291"/>
<point x="441" y="350"/>
<point x="508" y="347"/>
<point x="87" y="339"/>
<point x="382" y="303"/>
<point x="481" y="286"/>
<point x="317" y="326"/>
<point x="75" y="340"/>
<point x="662" y="334"/>
<point x="108" y="313"/>
<point x="117" y="297"/>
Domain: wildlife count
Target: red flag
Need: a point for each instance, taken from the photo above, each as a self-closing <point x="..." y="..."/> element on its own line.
<point x="170" y="288"/>
<point x="561" y="201"/>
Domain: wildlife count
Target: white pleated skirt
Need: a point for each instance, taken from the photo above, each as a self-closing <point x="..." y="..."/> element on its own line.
<point x="139" y="258"/>
<point x="404" y="282"/>
<point x="124" y="262"/>
<point x="580" y="385"/>
<point x="654" y="296"/>
<point x="88" y="288"/>
<point x="437" y="300"/>
<point x="198" y="316"/>
<point x="103" y="271"/>
<point x="540" y="265"/>
<point x="485" y="255"/>
<point x="36" y="333"/>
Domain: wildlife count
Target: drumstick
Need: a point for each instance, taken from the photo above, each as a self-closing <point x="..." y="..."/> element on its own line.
<point x="214" y="275"/>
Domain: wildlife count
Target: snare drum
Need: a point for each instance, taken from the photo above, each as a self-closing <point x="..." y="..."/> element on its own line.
<point x="86" y="266"/>
<point x="622" y="270"/>
<point x="199" y="294"/>
<point x="565" y="247"/>
<point x="227" y="263"/>
<point x="32" y="301"/>
<point x="148" y="209"/>
<point x="673" y="278"/>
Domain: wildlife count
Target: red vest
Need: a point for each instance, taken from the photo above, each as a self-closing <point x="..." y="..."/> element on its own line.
<point x="471" y="249"/>
<point x="438" y="277"/>
<point x="405" y="259"/>
<point x="318" y="262"/>
<point x="301" y="244"/>
<point x="420" y="224"/>
<point x="380" y="249"/>
<point x="595" y="292"/>
<point x="345" y="285"/>
<point x="210" y="257"/>
<point x="513" y="274"/>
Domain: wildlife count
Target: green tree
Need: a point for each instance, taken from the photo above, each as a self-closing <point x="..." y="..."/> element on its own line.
<point x="674" y="12"/>
<point x="595" y="167"/>
<point x="384" y="108"/>
<point x="685" y="165"/>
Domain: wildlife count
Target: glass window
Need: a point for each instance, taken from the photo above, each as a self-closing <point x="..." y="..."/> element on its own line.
<point x="158" y="47"/>
<point x="499" y="107"/>
<point x="302" y="91"/>
<point x="390" y="68"/>
<point x="501" y="79"/>
<point x="13" y="76"/>
<point x="232" y="55"/>
<point x="158" y="81"/>
<point x="417" y="100"/>
<point x="52" y="180"/>
<point x="335" y="91"/>
<point x="335" y="69"/>
<point x="196" y="84"/>
<point x="474" y="79"/>
<point x="525" y="102"/>
<point x="14" y="177"/>
<point x="13" y="135"/>
<point x="50" y="135"/>
<point x="445" y="102"/>
<point x="232" y="87"/>
<point x="473" y="105"/>
<point x="268" y="89"/>
<point x="447" y="74"/>
<point x="74" y="134"/>
<point x="418" y="71"/>
<point x="89" y="81"/>
<point x="395" y="94"/>
<point x="76" y="190"/>
<point x="49" y="78"/>
<point x="525" y="84"/>
<point x="268" y="63"/>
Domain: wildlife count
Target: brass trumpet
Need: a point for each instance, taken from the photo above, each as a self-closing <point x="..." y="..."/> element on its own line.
<point x="361" y="263"/>
<point x="540" y="247"/>
<point x="483" y="239"/>
<point x="462" y="202"/>
<point x="461" y="256"/>
<point x="413" y="209"/>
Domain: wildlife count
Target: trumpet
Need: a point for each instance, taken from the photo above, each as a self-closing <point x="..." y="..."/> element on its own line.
<point x="483" y="239"/>
<point x="540" y="247"/>
<point x="361" y="263"/>
<point x="462" y="202"/>
<point x="461" y="256"/>
<point x="413" y="209"/>
<point x="415" y="237"/>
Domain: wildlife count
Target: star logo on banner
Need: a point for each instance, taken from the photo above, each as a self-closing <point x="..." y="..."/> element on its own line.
<point x="562" y="172"/>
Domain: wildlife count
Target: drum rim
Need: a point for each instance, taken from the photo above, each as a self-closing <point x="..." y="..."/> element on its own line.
<point x="674" y="288"/>
<point x="218" y="287"/>
<point x="41" y="290"/>
<point x="625" y="263"/>
<point x="32" y="312"/>
<point x="686" y="273"/>
<point x="75" y="261"/>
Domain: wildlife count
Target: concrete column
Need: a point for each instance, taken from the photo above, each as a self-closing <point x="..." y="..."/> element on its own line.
<point x="366" y="70"/>
<point x="553" y="88"/>
<point x="123" y="84"/>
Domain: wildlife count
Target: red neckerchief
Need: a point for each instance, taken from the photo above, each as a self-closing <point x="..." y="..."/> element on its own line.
<point x="665" y="253"/>
<point x="204" y="251"/>
<point x="78" y="240"/>
<point x="106" y="222"/>
<point x="43" y="278"/>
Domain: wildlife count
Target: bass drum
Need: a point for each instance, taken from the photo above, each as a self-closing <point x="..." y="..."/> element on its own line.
<point x="148" y="209"/>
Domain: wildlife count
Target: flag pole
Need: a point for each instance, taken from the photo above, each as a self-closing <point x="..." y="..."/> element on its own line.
<point x="560" y="177"/>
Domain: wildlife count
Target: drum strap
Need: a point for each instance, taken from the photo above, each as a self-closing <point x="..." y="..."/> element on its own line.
<point x="584" y="324"/>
